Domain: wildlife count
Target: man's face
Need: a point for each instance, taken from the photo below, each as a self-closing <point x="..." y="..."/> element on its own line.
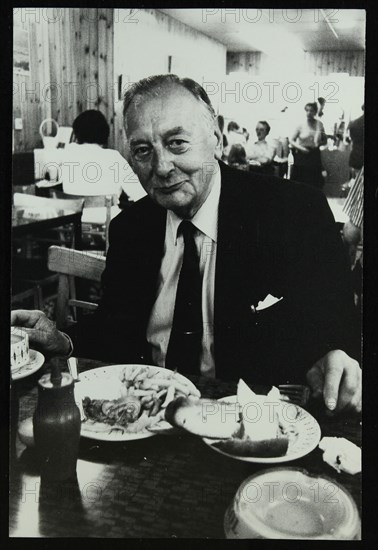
<point x="310" y="112"/>
<point x="261" y="131"/>
<point x="172" y="140"/>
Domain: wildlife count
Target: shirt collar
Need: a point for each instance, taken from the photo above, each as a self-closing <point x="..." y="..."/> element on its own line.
<point x="206" y="218"/>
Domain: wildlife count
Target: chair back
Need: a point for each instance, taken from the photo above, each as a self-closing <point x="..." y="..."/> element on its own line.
<point x="97" y="201"/>
<point x="70" y="263"/>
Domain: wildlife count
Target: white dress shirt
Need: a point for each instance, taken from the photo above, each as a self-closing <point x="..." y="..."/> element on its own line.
<point x="161" y="318"/>
<point x="260" y="151"/>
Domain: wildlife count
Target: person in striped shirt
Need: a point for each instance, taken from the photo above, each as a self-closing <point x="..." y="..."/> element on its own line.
<point x="353" y="229"/>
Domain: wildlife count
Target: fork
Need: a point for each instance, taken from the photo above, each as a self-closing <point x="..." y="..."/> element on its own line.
<point x="295" y="393"/>
<point x="72" y="367"/>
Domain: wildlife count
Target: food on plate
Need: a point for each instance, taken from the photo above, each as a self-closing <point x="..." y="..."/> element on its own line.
<point x="247" y="447"/>
<point x="144" y="394"/>
<point x="204" y="417"/>
<point x="250" y="426"/>
<point x="19" y="348"/>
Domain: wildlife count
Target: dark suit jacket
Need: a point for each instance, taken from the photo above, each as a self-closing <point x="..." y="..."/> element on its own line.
<point x="274" y="237"/>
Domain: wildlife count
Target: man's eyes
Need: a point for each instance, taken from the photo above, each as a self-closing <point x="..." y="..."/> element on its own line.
<point x="178" y="145"/>
<point x="141" y="152"/>
<point x="175" y="145"/>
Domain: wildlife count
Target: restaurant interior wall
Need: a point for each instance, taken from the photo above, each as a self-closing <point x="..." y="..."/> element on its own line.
<point x="148" y="42"/>
<point x="258" y="87"/>
<point x="318" y="63"/>
<point x="71" y="70"/>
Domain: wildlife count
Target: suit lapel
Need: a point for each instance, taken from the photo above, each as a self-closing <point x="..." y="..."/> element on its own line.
<point x="238" y="278"/>
<point x="149" y="247"/>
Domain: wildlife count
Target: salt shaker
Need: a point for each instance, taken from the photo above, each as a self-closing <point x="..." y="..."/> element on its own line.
<point x="56" y="424"/>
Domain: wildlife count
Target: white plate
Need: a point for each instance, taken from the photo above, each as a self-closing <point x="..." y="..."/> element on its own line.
<point x="104" y="383"/>
<point x="306" y="435"/>
<point x="35" y="363"/>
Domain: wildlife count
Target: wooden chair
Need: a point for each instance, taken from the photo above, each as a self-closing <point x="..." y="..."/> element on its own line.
<point x="93" y="201"/>
<point x="70" y="263"/>
<point x="31" y="271"/>
<point x="34" y="203"/>
<point x="20" y="296"/>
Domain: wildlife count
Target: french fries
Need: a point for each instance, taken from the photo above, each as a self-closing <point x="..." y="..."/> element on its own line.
<point x="147" y="392"/>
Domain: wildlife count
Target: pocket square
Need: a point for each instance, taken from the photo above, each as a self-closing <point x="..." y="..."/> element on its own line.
<point x="267" y="302"/>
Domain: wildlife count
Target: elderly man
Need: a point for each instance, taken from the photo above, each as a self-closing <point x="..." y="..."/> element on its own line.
<point x="216" y="271"/>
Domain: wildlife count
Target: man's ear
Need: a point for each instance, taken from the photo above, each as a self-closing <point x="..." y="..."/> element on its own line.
<point x="219" y="140"/>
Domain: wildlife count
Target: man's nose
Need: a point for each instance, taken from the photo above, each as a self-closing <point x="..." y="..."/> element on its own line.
<point x="162" y="162"/>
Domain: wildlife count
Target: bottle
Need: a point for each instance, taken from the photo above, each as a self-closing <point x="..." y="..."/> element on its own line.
<point x="56" y="425"/>
<point x="290" y="163"/>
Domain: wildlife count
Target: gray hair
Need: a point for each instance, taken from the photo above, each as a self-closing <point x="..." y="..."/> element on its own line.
<point x="147" y="85"/>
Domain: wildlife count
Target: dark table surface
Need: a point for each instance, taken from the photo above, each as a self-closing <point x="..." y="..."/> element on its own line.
<point x="22" y="224"/>
<point x="164" y="486"/>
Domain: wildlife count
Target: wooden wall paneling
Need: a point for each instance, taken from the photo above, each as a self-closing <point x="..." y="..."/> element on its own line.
<point x="110" y="87"/>
<point x="16" y="106"/>
<point x="41" y="74"/>
<point x="322" y="63"/>
<point x="30" y="102"/>
<point x="93" y="92"/>
<point x="76" y="17"/>
<point x="54" y="66"/>
<point x="65" y="54"/>
<point x="102" y="61"/>
<point x="43" y="68"/>
<point x="68" y="69"/>
<point x="83" y="56"/>
<point x="248" y="62"/>
<point x="340" y="59"/>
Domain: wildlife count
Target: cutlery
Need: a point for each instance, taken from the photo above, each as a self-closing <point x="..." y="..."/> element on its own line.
<point x="72" y="367"/>
<point x="295" y="393"/>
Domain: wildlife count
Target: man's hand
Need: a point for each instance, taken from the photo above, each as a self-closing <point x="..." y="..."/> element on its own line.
<point x="337" y="377"/>
<point x="43" y="335"/>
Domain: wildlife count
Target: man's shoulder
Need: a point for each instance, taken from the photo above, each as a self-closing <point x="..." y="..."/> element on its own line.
<point x="142" y="213"/>
<point x="270" y="193"/>
<point x="263" y="184"/>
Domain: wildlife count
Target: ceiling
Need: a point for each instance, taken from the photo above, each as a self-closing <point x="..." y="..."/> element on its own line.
<point x="257" y="30"/>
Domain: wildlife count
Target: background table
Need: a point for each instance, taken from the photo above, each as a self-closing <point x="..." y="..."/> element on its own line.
<point x="23" y="225"/>
<point x="163" y="486"/>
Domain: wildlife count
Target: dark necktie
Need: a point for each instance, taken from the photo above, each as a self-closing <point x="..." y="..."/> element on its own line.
<point x="185" y="343"/>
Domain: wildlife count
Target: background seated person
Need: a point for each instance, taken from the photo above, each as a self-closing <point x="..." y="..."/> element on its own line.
<point x="261" y="153"/>
<point x="234" y="136"/>
<point x="237" y="157"/>
<point x="88" y="167"/>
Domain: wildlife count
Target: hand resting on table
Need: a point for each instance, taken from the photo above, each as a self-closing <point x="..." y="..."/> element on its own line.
<point x="336" y="376"/>
<point x="338" y="379"/>
<point x="43" y="335"/>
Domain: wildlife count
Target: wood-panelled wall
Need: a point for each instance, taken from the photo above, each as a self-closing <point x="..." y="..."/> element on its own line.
<point x="248" y="62"/>
<point x="71" y="52"/>
<point x="320" y="63"/>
